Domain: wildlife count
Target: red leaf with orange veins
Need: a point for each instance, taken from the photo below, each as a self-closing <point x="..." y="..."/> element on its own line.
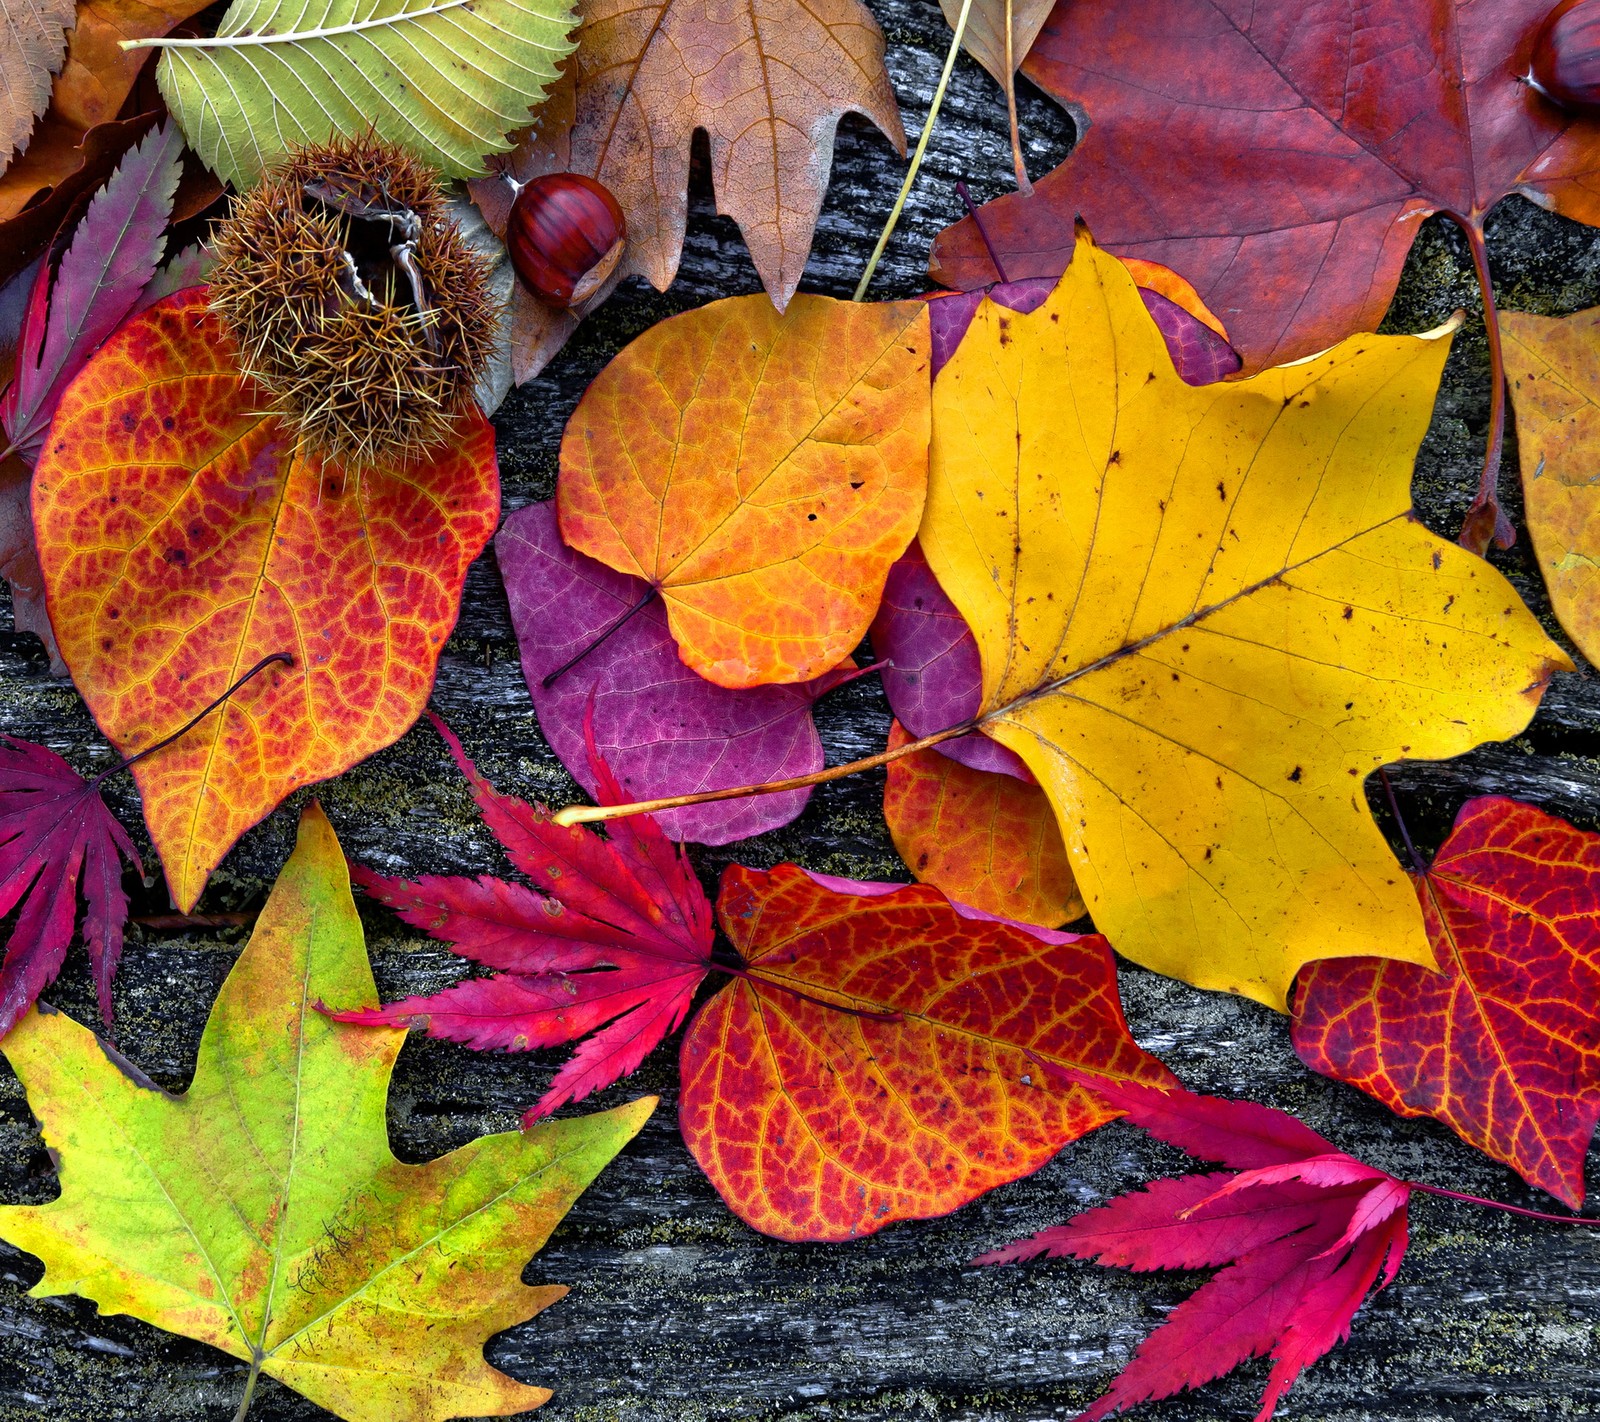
<point x="56" y="836"/>
<point x="1502" y="1044"/>
<point x="183" y="533"/>
<point x="1299" y="1240"/>
<point x="613" y="940"/>
<point x="879" y="1057"/>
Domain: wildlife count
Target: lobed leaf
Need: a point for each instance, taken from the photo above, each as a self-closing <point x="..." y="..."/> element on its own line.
<point x="262" y="1212"/>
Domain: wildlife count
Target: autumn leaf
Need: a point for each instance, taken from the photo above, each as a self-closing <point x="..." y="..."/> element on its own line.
<point x="985" y="36"/>
<point x="446" y="82"/>
<point x="1554" y="368"/>
<point x="984" y="838"/>
<point x="371" y="1286"/>
<point x="658" y="726"/>
<point x="767" y="83"/>
<point x="1205" y="614"/>
<point x="56" y="836"/>
<point x="31" y="54"/>
<point x="182" y="537"/>
<point x="114" y="253"/>
<point x="613" y="941"/>
<point x="79" y="139"/>
<point x="1300" y="1235"/>
<point x="760" y="471"/>
<point x="1282" y="158"/>
<point x="880" y="1057"/>
<point x="1283" y="155"/>
<point x="881" y="1005"/>
<point x="1501" y="1043"/>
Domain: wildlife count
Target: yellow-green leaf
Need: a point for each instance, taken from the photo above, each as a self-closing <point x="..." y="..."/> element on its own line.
<point x="446" y="79"/>
<point x="1206" y="614"/>
<point x="262" y="1211"/>
<point x="1553" y="366"/>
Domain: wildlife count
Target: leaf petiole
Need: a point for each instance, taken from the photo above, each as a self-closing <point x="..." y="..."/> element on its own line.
<point x="249" y="1386"/>
<point x="1506" y="1209"/>
<point x="916" y="157"/>
<point x="1024" y="183"/>
<point x="1486" y="520"/>
<point x="599" y="641"/>
<point x="590" y="814"/>
<point x="194" y="720"/>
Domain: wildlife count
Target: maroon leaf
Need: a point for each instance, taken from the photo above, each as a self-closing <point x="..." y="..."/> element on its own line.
<point x="55" y="835"/>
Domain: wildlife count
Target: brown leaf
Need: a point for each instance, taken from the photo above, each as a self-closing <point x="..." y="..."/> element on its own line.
<point x="34" y="39"/>
<point x="76" y="144"/>
<point x="985" y="37"/>
<point x="767" y="84"/>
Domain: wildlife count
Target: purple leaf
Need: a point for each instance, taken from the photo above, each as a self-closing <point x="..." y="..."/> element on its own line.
<point x="191" y="267"/>
<point x="56" y="836"/>
<point x="114" y="252"/>
<point x="930" y="667"/>
<point x="1199" y="353"/>
<point x="660" y="727"/>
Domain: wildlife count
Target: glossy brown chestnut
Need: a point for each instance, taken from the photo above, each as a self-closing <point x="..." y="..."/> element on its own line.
<point x="1566" y="57"/>
<point x="565" y="236"/>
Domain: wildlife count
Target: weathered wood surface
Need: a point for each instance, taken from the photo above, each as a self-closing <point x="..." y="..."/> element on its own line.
<point x="677" y="1310"/>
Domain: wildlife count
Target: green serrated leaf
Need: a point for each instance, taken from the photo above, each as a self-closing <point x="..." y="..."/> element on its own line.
<point x="446" y="79"/>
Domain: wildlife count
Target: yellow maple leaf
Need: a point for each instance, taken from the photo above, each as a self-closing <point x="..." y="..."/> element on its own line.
<point x="1206" y="614"/>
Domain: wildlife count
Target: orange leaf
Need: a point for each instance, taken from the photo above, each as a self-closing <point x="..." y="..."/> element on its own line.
<point x="763" y="471"/>
<point x="182" y="539"/>
<point x="925" y="1089"/>
<point x="987" y="839"/>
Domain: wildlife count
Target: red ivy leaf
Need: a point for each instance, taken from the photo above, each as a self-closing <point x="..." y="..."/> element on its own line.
<point x="613" y="941"/>
<point x="55" y="834"/>
<point x="1299" y="1240"/>
<point x="1502" y="1044"/>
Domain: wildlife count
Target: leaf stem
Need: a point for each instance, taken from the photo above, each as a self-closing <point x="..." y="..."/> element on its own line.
<point x="195" y="720"/>
<point x="1486" y="520"/>
<point x="1024" y="183"/>
<point x="1400" y="823"/>
<point x="617" y="626"/>
<point x="1506" y="1209"/>
<point x="916" y="157"/>
<point x="249" y="1386"/>
<point x="983" y="232"/>
<point x="590" y="814"/>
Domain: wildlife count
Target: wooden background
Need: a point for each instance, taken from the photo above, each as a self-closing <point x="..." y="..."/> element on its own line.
<point x="680" y="1313"/>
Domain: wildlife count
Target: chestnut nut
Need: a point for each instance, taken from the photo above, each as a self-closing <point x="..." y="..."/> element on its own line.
<point x="1566" y="57"/>
<point x="565" y="235"/>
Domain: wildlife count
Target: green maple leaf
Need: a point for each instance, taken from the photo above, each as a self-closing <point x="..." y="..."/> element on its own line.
<point x="263" y="1212"/>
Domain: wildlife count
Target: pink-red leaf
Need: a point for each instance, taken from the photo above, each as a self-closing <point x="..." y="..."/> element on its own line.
<point x="1502" y="1043"/>
<point x="614" y="941"/>
<point x="1299" y="1236"/>
<point x="56" y="836"/>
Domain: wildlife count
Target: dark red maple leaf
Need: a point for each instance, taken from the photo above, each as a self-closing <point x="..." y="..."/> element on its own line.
<point x="614" y="940"/>
<point x="1281" y="155"/>
<point x="1299" y="1234"/>
<point x="56" y="835"/>
<point x="1502" y="1044"/>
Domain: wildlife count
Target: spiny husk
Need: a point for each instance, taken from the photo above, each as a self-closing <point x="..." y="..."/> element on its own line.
<point x="357" y="379"/>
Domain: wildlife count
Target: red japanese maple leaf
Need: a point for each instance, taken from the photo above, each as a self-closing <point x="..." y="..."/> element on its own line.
<point x="55" y="836"/>
<point x="1299" y="1234"/>
<point x="613" y="942"/>
<point x="1502" y="1043"/>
